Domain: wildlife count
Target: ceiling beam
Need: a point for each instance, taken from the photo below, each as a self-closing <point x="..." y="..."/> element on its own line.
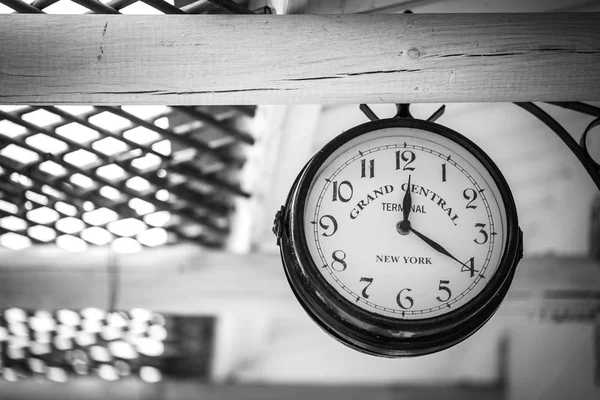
<point x="290" y="59"/>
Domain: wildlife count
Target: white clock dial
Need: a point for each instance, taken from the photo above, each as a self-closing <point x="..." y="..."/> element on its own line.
<point x="354" y="207"/>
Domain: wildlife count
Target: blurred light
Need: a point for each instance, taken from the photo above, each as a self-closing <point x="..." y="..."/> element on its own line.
<point x="150" y="374"/>
<point x="108" y="372"/>
<point x="71" y="243"/>
<point x="127" y="227"/>
<point x="93" y="313"/>
<point x="163" y="147"/>
<point x="42" y="233"/>
<point x="52" y="168"/>
<point x="46" y="143"/>
<point x="141" y="135"/>
<point x="28" y="205"/>
<point x="68" y="317"/>
<point x="8" y="207"/>
<point x="56" y="374"/>
<point x="80" y="158"/>
<point x="38" y="198"/>
<point x="10" y="129"/>
<point x="121" y="349"/>
<point x="91" y="326"/>
<point x="158" y="219"/>
<point x="52" y="192"/>
<point x="65" y="331"/>
<point x="85" y="339"/>
<point x="141" y="206"/>
<point x="163" y="195"/>
<point x="39" y="349"/>
<point x="111" y="172"/>
<point x="117" y="320"/>
<point x="126" y="246"/>
<point x="110" y="193"/>
<point x="43" y="215"/>
<point x="109" y="333"/>
<point x="97" y="236"/>
<point x="79" y="356"/>
<point x="88" y="206"/>
<point x="100" y="354"/>
<point x="157" y="332"/>
<point x="146" y="162"/>
<point x="19" y="154"/>
<point x="161" y="173"/>
<point x="77" y="132"/>
<point x="76" y="110"/>
<point x="18" y="329"/>
<point x="15" y="315"/>
<point x="70" y="225"/>
<point x="62" y="343"/>
<point x="41" y="117"/>
<point x="138" y="183"/>
<point x="65" y="208"/>
<point x="42" y="324"/>
<point x="20" y="179"/>
<point x="43" y="337"/>
<point x="81" y="369"/>
<point x="153" y="237"/>
<point x="14" y="241"/>
<point x="140" y="314"/>
<point x="110" y="146"/>
<point x="162" y="122"/>
<point x="109" y="121"/>
<point x="13" y="223"/>
<point x="82" y="180"/>
<point x="100" y="216"/>
<point x="150" y="347"/>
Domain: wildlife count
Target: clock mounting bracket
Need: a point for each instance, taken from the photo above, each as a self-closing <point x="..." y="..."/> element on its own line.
<point x="580" y="150"/>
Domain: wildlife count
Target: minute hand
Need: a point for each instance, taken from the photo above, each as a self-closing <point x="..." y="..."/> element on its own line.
<point x="435" y="245"/>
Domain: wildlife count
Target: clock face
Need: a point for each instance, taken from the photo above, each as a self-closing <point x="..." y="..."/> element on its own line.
<point x="405" y="265"/>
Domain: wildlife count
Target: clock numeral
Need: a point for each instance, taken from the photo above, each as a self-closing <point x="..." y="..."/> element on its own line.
<point x="326" y="226"/>
<point x="338" y="194"/>
<point x="363" y="168"/>
<point x="469" y="266"/>
<point x="445" y="289"/>
<point x="408" y="299"/>
<point x="339" y="260"/>
<point x="483" y="232"/>
<point x="364" y="291"/>
<point x="444" y="172"/>
<point x="471" y="195"/>
<point x="408" y="157"/>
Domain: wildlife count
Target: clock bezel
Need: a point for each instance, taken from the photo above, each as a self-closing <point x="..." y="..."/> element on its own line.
<point x="374" y="333"/>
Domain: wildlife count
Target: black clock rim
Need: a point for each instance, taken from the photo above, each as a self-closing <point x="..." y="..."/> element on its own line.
<point x="327" y="304"/>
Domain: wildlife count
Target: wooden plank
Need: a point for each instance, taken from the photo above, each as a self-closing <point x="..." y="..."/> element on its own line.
<point x="285" y="59"/>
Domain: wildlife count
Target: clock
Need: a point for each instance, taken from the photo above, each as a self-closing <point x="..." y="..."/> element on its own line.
<point x="399" y="237"/>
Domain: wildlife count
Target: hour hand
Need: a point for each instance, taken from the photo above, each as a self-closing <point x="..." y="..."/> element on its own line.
<point x="404" y="226"/>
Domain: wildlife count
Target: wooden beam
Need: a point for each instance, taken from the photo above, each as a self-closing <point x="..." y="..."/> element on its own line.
<point x="284" y="59"/>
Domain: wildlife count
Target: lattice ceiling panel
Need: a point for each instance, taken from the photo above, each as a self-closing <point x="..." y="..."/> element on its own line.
<point x="132" y="176"/>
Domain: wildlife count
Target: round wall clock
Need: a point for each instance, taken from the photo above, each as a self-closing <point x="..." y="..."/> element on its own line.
<point x="399" y="237"/>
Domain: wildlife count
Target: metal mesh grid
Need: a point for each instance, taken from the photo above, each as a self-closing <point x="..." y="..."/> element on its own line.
<point x="134" y="344"/>
<point x="133" y="176"/>
<point x="129" y="6"/>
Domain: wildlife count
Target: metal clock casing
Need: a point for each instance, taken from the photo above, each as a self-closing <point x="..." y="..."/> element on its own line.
<point x="367" y="331"/>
